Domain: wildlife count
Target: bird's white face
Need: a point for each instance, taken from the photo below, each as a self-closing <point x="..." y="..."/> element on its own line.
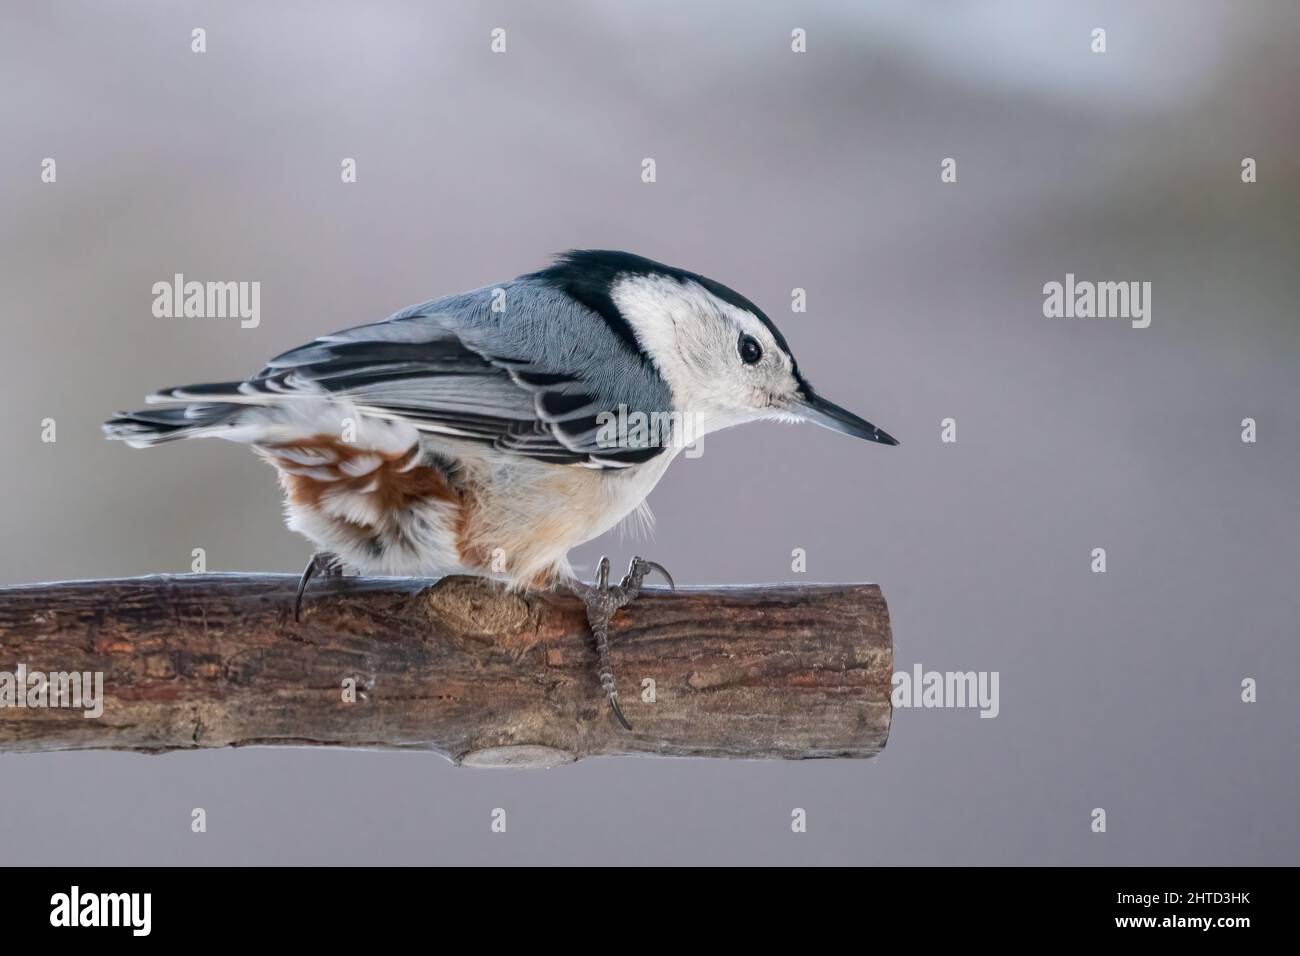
<point x="722" y="362"/>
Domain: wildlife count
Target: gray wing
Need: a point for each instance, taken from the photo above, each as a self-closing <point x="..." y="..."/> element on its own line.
<point x="531" y="377"/>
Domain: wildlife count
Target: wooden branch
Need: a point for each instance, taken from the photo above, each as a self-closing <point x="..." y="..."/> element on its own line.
<point x="459" y="666"/>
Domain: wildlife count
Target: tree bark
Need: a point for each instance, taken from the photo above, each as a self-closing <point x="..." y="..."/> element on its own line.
<point x="459" y="666"/>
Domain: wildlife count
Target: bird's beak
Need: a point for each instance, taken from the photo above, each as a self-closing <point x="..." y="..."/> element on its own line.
<point x="813" y="408"/>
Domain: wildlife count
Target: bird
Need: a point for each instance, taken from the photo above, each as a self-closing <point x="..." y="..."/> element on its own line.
<point x="490" y="432"/>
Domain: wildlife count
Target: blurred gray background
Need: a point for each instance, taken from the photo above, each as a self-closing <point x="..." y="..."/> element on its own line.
<point x="775" y="171"/>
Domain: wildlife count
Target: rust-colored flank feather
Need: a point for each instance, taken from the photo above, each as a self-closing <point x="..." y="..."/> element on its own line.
<point x="313" y="467"/>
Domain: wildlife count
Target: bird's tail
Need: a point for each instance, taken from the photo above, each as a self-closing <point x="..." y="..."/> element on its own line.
<point x="197" y="419"/>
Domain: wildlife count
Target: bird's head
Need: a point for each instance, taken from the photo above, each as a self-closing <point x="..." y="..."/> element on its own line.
<point x="725" y="361"/>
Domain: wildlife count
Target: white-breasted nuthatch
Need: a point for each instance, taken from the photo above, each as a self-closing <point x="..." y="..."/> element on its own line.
<point x="492" y="431"/>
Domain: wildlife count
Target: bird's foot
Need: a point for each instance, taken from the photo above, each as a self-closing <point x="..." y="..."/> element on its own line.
<point x="602" y="600"/>
<point x="322" y="563"/>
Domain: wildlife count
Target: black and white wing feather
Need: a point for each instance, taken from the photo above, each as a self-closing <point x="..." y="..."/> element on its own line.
<point x="532" y="378"/>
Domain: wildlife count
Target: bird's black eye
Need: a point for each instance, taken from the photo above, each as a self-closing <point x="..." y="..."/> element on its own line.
<point x="750" y="350"/>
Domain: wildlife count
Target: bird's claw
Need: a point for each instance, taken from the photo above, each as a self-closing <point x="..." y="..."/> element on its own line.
<point x="636" y="574"/>
<point x="602" y="599"/>
<point x="322" y="563"/>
